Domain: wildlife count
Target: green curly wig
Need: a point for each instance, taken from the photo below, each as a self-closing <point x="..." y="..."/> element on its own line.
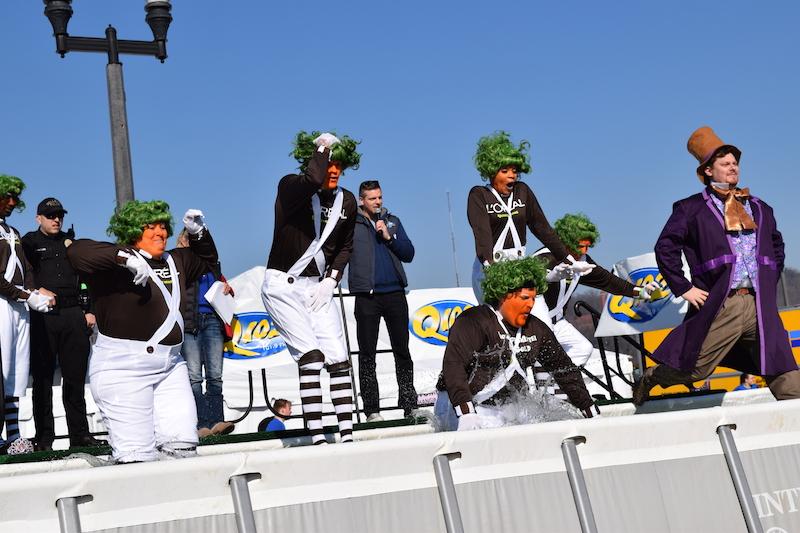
<point x="510" y="275"/>
<point x="497" y="151"/>
<point x="575" y="227"/>
<point x="128" y="223"/>
<point x="344" y="151"/>
<point x="12" y="185"/>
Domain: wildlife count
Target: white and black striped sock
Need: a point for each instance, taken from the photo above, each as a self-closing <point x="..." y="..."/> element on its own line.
<point x="342" y="398"/>
<point x="12" y="418"/>
<point x="311" y="393"/>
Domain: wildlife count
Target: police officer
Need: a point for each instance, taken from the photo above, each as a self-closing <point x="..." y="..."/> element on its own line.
<point x="61" y="336"/>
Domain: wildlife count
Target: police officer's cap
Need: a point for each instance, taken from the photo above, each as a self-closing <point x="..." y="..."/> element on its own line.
<point x="50" y="206"/>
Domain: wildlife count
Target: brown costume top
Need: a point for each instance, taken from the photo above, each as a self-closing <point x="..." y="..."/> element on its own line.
<point x="9" y="290"/>
<point x="477" y="349"/>
<point x="135" y="312"/>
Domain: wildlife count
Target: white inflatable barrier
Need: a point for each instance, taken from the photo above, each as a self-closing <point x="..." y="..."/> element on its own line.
<point x="662" y="472"/>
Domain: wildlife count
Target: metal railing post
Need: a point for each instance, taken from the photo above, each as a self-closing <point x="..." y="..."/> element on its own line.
<point x="447" y="492"/>
<point x="739" y="478"/>
<point x="69" y="518"/>
<point x="350" y="357"/>
<point x="578" y="484"/>
<point x="242" y="506"/>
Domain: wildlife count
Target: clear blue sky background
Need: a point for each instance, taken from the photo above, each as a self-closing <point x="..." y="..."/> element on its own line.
<point x="606" y="92"/>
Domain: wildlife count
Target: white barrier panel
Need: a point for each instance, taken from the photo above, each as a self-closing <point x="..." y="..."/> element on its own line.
<point x="657" y="473"/>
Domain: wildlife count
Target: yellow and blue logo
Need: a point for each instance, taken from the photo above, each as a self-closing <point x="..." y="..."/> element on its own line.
<point x="431" y="323"/>
<point x="254" y="336"/>
<point x="628" y="309"/>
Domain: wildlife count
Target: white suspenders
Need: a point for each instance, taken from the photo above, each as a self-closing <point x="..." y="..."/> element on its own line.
<point x="173" y="299"/>
<point x="314" y="250"/>
<point x="498" y="252"/>
<point x="504" y="376"/>
<point x="13" y="260"/>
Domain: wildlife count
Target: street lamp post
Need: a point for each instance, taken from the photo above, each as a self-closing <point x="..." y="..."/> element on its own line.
<point x="158" y="18"/>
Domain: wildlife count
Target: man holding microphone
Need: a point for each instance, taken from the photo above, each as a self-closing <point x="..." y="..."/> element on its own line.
<point x="377" y="278"/>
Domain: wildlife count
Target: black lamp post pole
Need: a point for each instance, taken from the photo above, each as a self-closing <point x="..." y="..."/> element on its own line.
<point x="117" y="110"/>
<point x="158" y="18"/>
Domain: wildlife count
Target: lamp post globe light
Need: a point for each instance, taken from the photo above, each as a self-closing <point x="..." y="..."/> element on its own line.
<point x="159" y="17"/>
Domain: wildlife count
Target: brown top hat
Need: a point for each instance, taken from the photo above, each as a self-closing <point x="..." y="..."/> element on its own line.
<point x="703" y="144"/>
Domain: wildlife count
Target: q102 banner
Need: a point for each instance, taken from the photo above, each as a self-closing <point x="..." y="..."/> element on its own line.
<point x="623" y="315"/>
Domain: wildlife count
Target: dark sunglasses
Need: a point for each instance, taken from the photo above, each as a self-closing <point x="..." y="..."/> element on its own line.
<point x="54" y="216"/>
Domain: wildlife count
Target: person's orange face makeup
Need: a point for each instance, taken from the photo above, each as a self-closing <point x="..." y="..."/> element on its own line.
<point x="153" y="239"/>
<point x="516" y="306"/>
<point x="335" y="170"/>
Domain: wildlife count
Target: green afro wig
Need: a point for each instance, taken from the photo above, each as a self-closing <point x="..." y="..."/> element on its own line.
<point x="573" y="228"/>
<point x="511" y="275"/>
<point x="344" y="151"/>
<point x="128" y="223"/>
<point x="497" y="151"/>
<point x="12" y="185"/>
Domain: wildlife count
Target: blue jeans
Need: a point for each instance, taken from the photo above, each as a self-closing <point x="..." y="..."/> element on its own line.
<point x="204" y="350"/>
<point x="444" y="411"/>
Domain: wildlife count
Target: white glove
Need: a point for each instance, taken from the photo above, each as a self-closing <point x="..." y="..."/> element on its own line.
<point x="194" y="221"/>
<point x="138" y="266"/>
<point x="469" y="421"/>
<point x="38" y="302"/>
<point x="326" y="140"/>
<point x="559" y="272"/>
<point x="579" y="267"/>
<point x="648" y="291"/>
<point x="323" y="294"/>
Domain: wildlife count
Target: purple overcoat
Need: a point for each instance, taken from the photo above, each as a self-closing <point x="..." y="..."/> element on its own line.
<point x="696" y="228"/>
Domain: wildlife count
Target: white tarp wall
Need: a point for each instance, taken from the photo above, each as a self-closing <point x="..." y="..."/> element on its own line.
<point x="656" y="473"/>
<point x="622" y="315"/>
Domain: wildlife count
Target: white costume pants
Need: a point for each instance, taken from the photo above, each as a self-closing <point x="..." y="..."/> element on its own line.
<point x="15" y="346"/>
<point x="579" y="350"/>
<point x="286" y="300"/>
<point x="145" y="399"/>
<point x="578" y="347"/>
<point x="539" y="310"/>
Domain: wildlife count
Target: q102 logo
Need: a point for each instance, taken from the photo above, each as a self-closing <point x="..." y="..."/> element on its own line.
<point x="431" y="323"/>
<point x="628" y="309"/>
<point x="254" y="336"/>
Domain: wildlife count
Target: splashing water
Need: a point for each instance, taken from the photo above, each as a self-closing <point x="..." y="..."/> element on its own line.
<point x="427" y="417"/>
<point x="534" y="407"/>
<point x="531" y="405"/>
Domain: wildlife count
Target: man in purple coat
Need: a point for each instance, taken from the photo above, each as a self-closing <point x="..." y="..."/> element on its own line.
<point x="735" y="254"/>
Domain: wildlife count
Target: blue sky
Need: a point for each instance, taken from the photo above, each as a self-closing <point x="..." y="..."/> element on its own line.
<point x="606" y="92"/>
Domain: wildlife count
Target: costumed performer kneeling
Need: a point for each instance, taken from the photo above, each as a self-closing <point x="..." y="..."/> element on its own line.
<point x="490" y="346"/>
<point x="137" y="375"/>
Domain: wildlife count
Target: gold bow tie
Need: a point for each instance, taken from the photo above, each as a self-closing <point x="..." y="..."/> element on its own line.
<point x="736" y="218"/>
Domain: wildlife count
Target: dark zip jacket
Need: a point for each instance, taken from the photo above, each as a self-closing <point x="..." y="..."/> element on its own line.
<point x="361" y="274"/>
<point x="190" y="303"/>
